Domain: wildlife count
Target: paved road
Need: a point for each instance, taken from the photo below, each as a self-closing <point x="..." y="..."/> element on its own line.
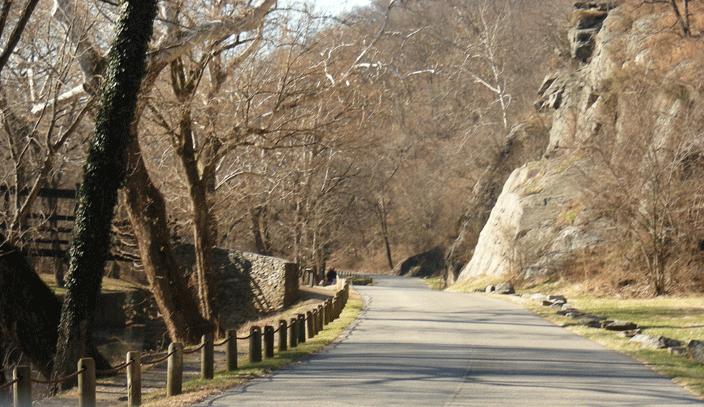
<point x="416" y="347"/>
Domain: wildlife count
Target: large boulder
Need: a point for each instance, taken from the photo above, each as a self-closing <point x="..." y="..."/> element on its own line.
<point x="426" y="264"/>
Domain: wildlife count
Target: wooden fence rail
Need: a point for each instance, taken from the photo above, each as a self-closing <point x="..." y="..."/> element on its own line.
<point x="294" y="332"/>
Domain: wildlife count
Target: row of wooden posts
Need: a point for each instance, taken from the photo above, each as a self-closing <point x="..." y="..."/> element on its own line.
<point x="290" y="334"/>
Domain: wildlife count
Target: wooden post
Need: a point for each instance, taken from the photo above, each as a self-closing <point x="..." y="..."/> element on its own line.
<point x="301" y="328"/>
<point x="174" y="370"/>
<point x="255" y="344"/>
<point x="134" y="379"/>
<point x="328" y="311"/>
<point x="321" y="315"/>
<point x="22" y="390"/>
<point x="283" y="327"/>
<point x="326" y="317"/>
<point x="86" y="382"/>
<point x="333" y="309"/>
<point x="207" y="360"/>
<point x="293" y="333"/>
<point x="268" y="341"/>
<point x="315" y="321"/>
<point x="309" y="324"/>
<point x="231" y="350"/>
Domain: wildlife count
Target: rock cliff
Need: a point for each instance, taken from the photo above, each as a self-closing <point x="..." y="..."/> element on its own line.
<point x="545" y="213"/>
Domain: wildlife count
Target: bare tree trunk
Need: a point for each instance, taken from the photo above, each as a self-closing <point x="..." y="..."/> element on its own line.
<point x="258" y="229"/>
<point x="147" y="213"/>
<point x="105" y="170"/>
<point x="682" y="18"/>
<point x="383" y="221"/>
<point x="16" y="33"/>
<point x="202" y="239"/>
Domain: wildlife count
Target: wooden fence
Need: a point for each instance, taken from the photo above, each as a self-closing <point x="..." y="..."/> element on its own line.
<point x="261" y="345"/>
<point x="51" y="225"/>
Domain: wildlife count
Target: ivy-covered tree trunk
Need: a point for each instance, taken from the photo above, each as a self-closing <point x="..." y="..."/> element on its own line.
<point x="104" y="172"/>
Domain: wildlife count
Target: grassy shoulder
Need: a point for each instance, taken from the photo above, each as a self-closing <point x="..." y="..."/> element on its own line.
<point x="110" y="285"/>
<point x="198" y="390"/>
<point x="679" y="318"/>
<point x="434" y="283"/>
<point x="472" y="285"/>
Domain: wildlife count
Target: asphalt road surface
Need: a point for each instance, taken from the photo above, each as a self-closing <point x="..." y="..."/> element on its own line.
<point x="416" y="347"/>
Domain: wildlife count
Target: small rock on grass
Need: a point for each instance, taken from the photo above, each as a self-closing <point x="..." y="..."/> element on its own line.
<point x="695" y="350"/>
<point x="490" y="289"/>
<point x="557" y="298"/>
<point x="589" y="322"/>
<point x="630" y="333"/>
<point x="505" y="289"/>
<point x="618" y="325"/>
<point x="655" y="342"/>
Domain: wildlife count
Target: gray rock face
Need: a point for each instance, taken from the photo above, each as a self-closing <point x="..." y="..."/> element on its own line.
<point x="695" y="350"/>
<point x="589" y="20"/>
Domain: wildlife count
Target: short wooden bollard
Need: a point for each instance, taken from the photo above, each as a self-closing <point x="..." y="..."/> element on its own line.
<point x="268" y="341"/>
<point x="174" y="370"/>
<point x="86" y="382"/>
<point x="339" y="305"/>
<point x="301" y="328"/>
<point x="283" y="338"/>
<point x="309" y="324"/>
<point x="321" y="317"/>
<point x="333" y="308"/>
<point x="293" y="333"/>
<point x="134" y="379"/>
<point x="314" y="321"/>
<point x="207" y="357"/>
<point x="231" y="350"/>
<point x="318" y="316"/>
<point x="255" y="344"/>
<point x="328" y="311"/>
<point x="22" y="389"/>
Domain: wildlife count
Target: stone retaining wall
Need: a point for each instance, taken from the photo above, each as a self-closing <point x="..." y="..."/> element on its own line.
<point x="245" y="285"/>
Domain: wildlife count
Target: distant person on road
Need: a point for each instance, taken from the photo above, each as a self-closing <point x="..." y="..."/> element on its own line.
<point x="331" y="277"/>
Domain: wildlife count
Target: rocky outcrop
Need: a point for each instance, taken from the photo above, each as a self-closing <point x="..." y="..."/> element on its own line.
<point x="588" y="20"/>
<point x="426" y="264"/>
<point x="526" y="142"/>
<point x="544" y="216"/>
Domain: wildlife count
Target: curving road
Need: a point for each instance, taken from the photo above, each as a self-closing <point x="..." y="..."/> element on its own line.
<point x="417" y="347"/>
